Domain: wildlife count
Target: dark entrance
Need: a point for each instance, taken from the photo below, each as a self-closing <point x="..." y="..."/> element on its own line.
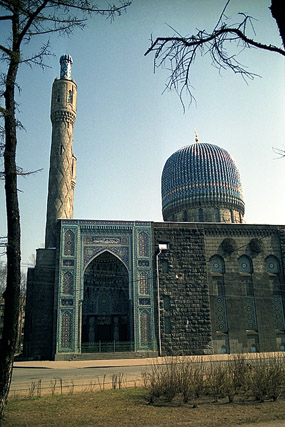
<point x="106" y="309"/>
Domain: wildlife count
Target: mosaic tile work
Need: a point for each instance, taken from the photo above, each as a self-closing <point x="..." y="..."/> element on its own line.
<point x="67" y="285"/>
<point x="143" y="244"/>
<point x="97" y="247"/>
<point x="198" y="173"/>
<point x="69" y="243"/>
<point x="65" y="66"/>
<point x="145" y="332"/>
<point x="144" y="286"/>
<point x="66" y="329"/>
<point x="121" y="252"/>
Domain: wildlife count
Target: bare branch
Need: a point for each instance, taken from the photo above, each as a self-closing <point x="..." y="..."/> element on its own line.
<point x="6" y="18"/>
<point x="3" y="111"/>
<point x="5" y="50"/>
<point x="279" y="151"/>
<point x="178" y="53"/>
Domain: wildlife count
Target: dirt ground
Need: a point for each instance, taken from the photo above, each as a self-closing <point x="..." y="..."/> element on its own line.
<point x="129" y="407"/>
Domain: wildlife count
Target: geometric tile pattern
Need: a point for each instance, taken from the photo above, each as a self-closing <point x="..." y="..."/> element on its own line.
<point x="143" y="244"/>
<point x="129" y="242"/>
<point x="144" y="286"/>
<point x="66" y="330"/>
<point x="145" y="334"/>
<point x="198" y="173"/>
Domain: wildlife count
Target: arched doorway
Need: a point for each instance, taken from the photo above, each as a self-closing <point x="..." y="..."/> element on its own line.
<point x="106" y="310"/>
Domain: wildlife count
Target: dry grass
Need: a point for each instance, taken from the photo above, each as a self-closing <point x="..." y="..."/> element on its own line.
<point x="129" y="407"/>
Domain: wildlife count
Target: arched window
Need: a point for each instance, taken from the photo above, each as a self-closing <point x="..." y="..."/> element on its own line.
<point x="223" y="349"/>
<point x="245" y="264"/>
<point x="217" y="289"/>
<point x="253" y="348"/>
<point x="68" y="243"/>
<point x="217" y="264"/>
<point x="70" y="96"/>
<point x="218" y="268"/>
<point x="185" y="216"/>
<point x="67" y="285"/>
<point x="201" y="215"/>
<point x="246" y="269"/>
<point x="272" y="265"/>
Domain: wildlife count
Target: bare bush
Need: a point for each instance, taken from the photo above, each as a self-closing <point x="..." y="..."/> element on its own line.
<point x="191" y="380"/>
<point x="188" y="379"/>
<point x="267" y="378"/>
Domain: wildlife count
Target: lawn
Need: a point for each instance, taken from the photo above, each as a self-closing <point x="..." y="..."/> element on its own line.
<point x="129" y="407"/>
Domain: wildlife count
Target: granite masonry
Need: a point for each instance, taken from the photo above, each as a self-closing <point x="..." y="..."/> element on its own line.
<point x="201" y="282"/>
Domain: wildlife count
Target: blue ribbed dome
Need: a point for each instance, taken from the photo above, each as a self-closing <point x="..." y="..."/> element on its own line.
<point x="201" y="174"/>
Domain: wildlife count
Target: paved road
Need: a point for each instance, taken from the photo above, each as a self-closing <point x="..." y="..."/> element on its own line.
<point x="54" y="375"/>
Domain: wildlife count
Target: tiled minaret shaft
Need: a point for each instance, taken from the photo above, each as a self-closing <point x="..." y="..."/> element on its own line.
<point x="62" y="172"/>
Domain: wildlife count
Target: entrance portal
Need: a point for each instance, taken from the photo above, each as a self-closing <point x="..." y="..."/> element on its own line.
<point x="106" y="310"/>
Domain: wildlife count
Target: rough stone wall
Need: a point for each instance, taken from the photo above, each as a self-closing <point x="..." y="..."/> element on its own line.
<point x="184" y="296"/>
<point x="238" y="337"/>
<point x="38" y="335"/>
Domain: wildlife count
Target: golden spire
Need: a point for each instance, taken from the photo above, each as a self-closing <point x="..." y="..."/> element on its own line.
<point x="196" y="136"/>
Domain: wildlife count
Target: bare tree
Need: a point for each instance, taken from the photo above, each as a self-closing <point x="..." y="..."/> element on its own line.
<point x="27" y="19"/>
<point x="179" y="53"/>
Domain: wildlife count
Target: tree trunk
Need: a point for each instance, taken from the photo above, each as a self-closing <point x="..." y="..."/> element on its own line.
<point x="278" y="12"/>
<point x="12" y="292"/>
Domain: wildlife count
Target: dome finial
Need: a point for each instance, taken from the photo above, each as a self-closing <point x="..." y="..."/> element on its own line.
<point x="196" y="136"/>
<point x="65" y="66"/>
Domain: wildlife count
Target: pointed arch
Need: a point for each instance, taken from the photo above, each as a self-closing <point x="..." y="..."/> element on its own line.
<point x="217" y="264"/>
<point x="272" y="264"/>
<point x="245" y="264"/>
<point x="106" y="309"/>
<point x="69" y="243"/>
<point x="101" y="252"/>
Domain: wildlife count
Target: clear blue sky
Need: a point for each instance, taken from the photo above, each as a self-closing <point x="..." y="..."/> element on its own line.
<point x="126" y="129"/>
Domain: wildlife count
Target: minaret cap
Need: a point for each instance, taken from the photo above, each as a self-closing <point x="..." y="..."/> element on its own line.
<point x="65" y="66"/>
<point x="196" y="136"/>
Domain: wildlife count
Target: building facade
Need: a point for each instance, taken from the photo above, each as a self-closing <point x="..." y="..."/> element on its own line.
<point x="201" y="282"/>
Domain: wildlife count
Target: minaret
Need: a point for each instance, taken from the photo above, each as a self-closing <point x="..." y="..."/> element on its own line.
<point x="62" y="172"/>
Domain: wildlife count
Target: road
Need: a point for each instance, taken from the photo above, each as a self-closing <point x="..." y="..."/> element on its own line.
<point x="32" y="378"/>
<point x="46" y="377"/>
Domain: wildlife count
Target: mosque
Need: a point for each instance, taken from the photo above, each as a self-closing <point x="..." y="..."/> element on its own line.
<point x="200" y="282"/>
